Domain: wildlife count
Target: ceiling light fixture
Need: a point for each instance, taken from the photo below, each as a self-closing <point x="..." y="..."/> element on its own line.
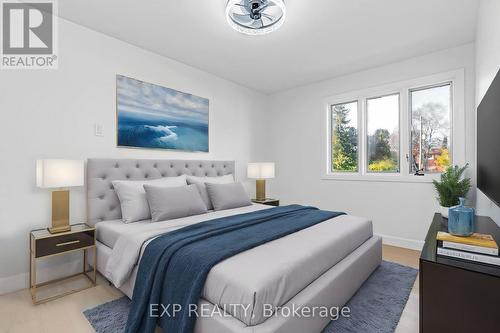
<point x="255" y="17"/>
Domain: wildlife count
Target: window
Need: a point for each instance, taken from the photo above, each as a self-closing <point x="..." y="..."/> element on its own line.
<point x="382" y="115"/>
<point x="430" y="128"/>
<point x="344" y="140"/>
<point x="407" y="131"/>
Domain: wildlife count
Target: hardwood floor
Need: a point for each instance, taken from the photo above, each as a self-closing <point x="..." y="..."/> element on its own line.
<point x="17" y="314"/>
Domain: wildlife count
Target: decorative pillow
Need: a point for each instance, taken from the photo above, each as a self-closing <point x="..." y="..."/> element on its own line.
<point x="133" y="196"/>
<point x="167" y="203"/>
<point x="200" y="183"/>
<point x="227" y="196"/>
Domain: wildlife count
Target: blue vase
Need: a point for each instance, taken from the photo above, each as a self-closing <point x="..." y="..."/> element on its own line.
<point x="461" y="220"/>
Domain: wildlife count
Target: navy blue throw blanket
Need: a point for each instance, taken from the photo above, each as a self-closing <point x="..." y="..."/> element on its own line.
<point x="174" y="266"/>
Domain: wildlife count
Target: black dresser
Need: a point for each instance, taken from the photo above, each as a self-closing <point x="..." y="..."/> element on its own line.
<point x="455" y="295"/>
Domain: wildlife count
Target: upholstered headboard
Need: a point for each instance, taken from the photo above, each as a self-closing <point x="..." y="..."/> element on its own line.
<point x="102" y="201"/>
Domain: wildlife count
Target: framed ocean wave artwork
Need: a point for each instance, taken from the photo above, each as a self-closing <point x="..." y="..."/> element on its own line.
<point x="152" y="116"/>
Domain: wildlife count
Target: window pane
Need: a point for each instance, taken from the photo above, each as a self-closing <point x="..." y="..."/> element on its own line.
<point x="344" y="122"/>
<point x="383" y="133"/>
<point x="430" y="129"/>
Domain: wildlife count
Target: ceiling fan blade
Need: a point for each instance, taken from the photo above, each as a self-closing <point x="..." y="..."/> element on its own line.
<point x="243" y="8"/>
<point x="266" y="19"/>
<point x="244" y="19"/>
<point x="269" y="17"/>
<point x="256" y="24"/>
<point x="266" y="6"/>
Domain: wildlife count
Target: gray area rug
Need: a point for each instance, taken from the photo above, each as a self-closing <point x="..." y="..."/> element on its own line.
<point x="377" y="305"/>
<point x="375" y="308"/>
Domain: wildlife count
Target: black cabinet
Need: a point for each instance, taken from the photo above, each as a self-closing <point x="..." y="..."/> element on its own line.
<point x="456" y="295"/>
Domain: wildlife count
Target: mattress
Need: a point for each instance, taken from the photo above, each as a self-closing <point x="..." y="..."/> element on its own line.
<point x="271" y="274"/>
<point x="108" y="232"/>
<point x="332" y="290"/>
<point x="265" y="276"/>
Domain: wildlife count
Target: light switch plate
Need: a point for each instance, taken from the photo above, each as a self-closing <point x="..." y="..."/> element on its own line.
<point x="98" y="130"/>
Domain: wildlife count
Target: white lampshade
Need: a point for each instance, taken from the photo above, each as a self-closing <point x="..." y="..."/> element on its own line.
<point x="260" y="170"/>
<point x="59" y="173"/>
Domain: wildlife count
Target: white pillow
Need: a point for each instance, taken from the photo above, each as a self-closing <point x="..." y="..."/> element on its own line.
<point x="200" y="184"/>
<point x="227" y="196"/>
<point x="132" y="196"/>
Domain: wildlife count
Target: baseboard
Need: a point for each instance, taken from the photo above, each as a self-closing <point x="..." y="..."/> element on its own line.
<point x="20" y="281"/>
<point x="411" y="244"/>
<point x="13" y="283"/>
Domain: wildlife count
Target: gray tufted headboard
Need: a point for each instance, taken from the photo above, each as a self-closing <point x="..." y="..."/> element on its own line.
<point x="102" y="201"/>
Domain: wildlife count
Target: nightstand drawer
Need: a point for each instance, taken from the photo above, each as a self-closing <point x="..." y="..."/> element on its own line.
<point x="63" y="243"/>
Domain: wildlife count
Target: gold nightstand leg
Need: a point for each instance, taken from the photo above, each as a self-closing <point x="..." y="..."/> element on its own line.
<point x="95" y="264"/>
<point x="31" y="263"/>
<point x="93" y="274"/>
<point x="32" y="269"/>
<point x="33" y="278"/>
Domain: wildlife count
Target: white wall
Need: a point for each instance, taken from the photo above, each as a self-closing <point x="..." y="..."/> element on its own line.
<point x="51" y="114"/>
<point x="400" y="211"/>
<point x="487" y="66"/>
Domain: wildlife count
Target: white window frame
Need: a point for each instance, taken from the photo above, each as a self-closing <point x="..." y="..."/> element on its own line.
<point x="403" y="88"/>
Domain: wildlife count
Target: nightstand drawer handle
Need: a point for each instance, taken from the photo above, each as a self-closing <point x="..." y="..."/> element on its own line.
<point x="68" y="243"/>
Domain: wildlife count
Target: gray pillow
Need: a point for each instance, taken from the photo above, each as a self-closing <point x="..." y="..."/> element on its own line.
<point x="200" y="183"/>
<point x="167" y="203"/>
<point x="133" y="198"/>
<point x="227" y="196"/>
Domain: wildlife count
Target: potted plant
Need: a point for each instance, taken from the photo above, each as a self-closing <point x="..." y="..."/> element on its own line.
<point x="451" y="187"/>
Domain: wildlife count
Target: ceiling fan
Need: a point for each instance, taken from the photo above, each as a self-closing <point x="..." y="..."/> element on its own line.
<point x="255" y="17"/>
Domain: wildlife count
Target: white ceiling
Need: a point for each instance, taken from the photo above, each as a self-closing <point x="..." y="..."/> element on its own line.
<point x="319" y="40"/>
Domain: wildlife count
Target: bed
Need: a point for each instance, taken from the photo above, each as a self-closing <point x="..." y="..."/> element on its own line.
<point x="322" y="265"/>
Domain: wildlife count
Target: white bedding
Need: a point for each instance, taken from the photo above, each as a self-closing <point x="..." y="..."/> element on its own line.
<point x="133" y="236"/>
<point x="272" y="273"/>
<point x="108" y="232"/>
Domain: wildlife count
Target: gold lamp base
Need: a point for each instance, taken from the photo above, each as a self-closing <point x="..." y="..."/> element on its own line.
<point x="260" y="189"/>
<point x="60" y="212"/>
<point x="56" y="230"/>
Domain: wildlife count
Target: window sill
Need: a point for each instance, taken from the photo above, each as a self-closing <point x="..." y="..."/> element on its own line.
<point x="394" y="178"/>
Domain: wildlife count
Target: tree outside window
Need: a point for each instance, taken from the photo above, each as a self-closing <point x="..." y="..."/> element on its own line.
<point x="344" y="145"/>
<point x="430" y="129"/>
<point x="383" y="133"/>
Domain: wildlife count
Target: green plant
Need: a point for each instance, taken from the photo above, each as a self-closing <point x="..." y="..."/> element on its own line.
<point x="382" y="165"/>
<point x="452" y="186"/>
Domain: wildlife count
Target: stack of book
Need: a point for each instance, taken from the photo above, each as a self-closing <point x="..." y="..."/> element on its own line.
<point x="479" y="248"/>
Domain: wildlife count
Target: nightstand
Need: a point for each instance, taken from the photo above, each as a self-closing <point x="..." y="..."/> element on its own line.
<point x="44" y="245"/>
<point x="269" y="202"/>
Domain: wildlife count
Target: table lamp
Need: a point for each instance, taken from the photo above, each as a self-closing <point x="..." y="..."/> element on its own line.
<point x="260" y="172"/>
<point x="59" y="175"/>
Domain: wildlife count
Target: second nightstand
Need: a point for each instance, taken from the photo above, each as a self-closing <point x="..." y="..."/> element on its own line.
<point x="269" y="202"/>
<point x="43" y="244"/>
